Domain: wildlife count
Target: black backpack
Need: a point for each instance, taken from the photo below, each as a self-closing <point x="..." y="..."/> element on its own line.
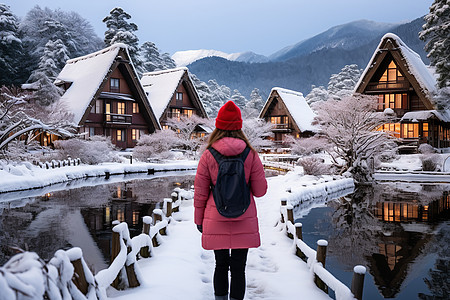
<point x="231" y="192"/>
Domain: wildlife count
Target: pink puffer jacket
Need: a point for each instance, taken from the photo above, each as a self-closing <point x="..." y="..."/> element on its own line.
<point x="220" y="232"/>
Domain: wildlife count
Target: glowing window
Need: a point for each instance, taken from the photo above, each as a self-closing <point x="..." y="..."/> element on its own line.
<point x="121" y="108"/>
<point x="135" y="108"/>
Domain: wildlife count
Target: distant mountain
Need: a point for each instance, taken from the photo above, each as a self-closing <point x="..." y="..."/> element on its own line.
<point x="184" y="58"/>
<point x="310" y="62"/>
<point x="346" y="36"/>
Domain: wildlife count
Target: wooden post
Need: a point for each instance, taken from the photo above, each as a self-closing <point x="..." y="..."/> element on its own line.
<point x="320" y="257"/>
<point x="79" y="278"/>
<point x="115" y="249"/>
<point x="299" y="234"/>
<point x="168" y="202"/>
<point x="283" y="204"/>
<point x="157" y="217"/>
<point x="290" y="218"/>
<point x="358" y="281"/>
<point x="145" y="253"/>
<point x="174" y="196"/>
<point x="131" y="274"/>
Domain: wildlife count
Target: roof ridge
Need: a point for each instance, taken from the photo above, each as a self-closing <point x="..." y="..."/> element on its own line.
<point x="165" y="71"/>
<point x="94" y="54"/>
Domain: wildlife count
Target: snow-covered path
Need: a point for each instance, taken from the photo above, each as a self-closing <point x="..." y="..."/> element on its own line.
<point x="181" y="269"/>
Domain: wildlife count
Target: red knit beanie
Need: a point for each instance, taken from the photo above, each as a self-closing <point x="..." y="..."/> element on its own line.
<point x="229" y="117"/>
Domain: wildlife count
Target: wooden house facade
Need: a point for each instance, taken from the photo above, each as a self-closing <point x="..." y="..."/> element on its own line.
<point x="172" y="95"/>
<point x="402" y="82"/>
<point x="289" y="113"/>
<point x="104" y="94"/>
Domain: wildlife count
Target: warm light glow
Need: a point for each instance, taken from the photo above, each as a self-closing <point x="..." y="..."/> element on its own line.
<point x="120" y="215"/>
<point x="107" y="214"/>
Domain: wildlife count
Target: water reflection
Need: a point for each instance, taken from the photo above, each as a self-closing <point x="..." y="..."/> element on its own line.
<point x="392" y="229"/>
<point x="82" y="216"/>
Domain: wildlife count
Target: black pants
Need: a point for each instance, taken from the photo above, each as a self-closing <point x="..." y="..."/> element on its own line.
<point x="236" y="264"/>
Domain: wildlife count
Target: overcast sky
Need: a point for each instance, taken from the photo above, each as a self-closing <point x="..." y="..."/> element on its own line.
<point x="261" y="26"/>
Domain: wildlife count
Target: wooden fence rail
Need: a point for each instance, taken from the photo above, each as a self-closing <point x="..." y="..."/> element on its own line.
<point x="67" y="276"/>
<point x="58" y="163"/>
<point x="316" y="259"/>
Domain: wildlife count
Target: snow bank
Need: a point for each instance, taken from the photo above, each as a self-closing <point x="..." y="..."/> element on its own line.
<point x="18" y="178"/>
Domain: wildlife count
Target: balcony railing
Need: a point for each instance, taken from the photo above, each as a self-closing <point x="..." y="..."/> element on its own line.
<point x="399" y="85"/>
<point x="118" y="118"/>
<point x="281" y="127"/>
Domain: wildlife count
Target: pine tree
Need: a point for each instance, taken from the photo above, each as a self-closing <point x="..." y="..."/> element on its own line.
<point x="436" y="34"/>
<point x="238" y="99"/>
<point x="153" y="60"/>
<point x="120" y="31"/>
<point x="41" y="25"/>
<point x="343" y="83"/>
<point x="254" y="105"/>
<point x="50" y="64"/>
<point x="11" y="50"/>
<point x="317" y="95"/>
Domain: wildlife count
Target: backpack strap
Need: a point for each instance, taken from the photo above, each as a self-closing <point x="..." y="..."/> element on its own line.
<point x="218" y="156"/>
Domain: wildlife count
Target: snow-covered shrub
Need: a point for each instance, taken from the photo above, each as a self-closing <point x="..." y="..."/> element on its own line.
<point x="156" y="145"/>
<point x="427" y="149"/>
<point x="95" y="150"/>
<point x="430" y="162"/>
<point x="313" y="166"/>
<point x="387" y="156"/>
<point x="308" y="146"/>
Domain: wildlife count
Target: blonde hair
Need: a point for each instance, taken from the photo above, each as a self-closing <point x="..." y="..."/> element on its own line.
<point x="218" y="134"/>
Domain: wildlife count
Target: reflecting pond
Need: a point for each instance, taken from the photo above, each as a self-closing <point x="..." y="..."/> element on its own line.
<point x="398" y="231"/>
<point x="80" y="213"/>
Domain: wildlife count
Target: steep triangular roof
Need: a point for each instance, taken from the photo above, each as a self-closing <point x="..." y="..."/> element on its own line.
<point x="297" y="108"/>
<point x="87" y="75"/>
<point x="418" y="74"/>
<point x="160" y="87"/>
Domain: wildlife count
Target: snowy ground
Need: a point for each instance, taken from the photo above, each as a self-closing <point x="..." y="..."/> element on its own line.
<point x="181" y="269"/>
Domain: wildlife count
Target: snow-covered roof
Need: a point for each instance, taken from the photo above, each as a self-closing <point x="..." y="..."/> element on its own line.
<point x="160" y="87"/>
<point x="423" y="115"/>
<point x="424" y="75"/>
<point x="300" y="111"/>
<point x="205" y="128"/>
<point x="86" y="73"/>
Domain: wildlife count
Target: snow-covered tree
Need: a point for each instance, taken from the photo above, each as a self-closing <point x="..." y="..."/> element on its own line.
<point x="317" y="95"/>
<point x="239" y="99"/>
<point x="95" y="150"/>
<point x="254" y="105"/>
<point x="42" y="25"/>
<point x="156" y="145"/>
<point x="11" y="51"/>
<point x="184" y="128"/>
<point x="436" y="34"/>
<point x="343" y="83"/>
<point x="121" y="31"/>
<point x="51" y="62"/>
<point x="211" y="94"/>
<point x="442" y="98"/>
<point x="20" y="117"/>
<point x="350" y="126"/>
<point x="153" y="60"/>
<point x="258" y="131"/>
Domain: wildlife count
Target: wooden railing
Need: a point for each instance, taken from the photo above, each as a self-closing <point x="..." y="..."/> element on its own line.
<point x="118" y="118"/>
<point x="58" y="163"/>
<point x="316" y="260"/>
<point x="67" y="273"/>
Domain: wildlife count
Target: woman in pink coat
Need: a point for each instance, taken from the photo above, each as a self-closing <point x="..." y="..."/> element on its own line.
<point x="230" y="238"/>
